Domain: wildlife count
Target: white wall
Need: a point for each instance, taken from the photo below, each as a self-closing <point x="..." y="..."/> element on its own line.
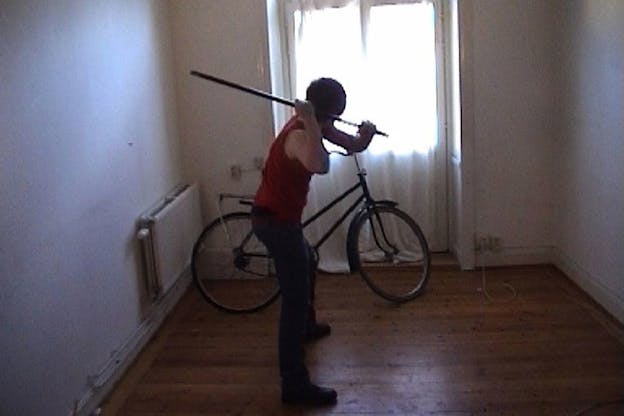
<point x="513" y="114"/>
<point x="542" y="91"/>
<point x="501" y="180"/>
<point x="220" y="126"/>
<point x="589" y="152"/>
<point x="89" y="141"/>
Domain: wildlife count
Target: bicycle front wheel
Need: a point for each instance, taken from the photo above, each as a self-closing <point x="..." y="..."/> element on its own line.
<point x="232" y="268"/>
<point x="391" y="253"/>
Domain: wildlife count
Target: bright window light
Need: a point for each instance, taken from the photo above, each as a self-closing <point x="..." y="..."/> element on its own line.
<point x="387" y="66"/>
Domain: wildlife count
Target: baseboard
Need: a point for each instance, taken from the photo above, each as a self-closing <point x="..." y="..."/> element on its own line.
<point x="103" y="383"/>
<point x="513" y="256"/>
<point x="591" y="285"/>
<point x="516" y="256"/>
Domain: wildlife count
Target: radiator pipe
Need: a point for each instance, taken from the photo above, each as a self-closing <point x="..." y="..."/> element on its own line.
<point x="266" y="95"/>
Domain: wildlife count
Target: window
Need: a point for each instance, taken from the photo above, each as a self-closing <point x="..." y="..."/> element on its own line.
<point x="390" y="57"/>
<point x="384" y="54"/>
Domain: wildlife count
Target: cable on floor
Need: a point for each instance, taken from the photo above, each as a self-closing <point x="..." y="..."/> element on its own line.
<point x="484" y="290"/>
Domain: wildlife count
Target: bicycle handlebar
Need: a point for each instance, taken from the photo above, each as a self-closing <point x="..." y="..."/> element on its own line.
<point x="268" y="96"/>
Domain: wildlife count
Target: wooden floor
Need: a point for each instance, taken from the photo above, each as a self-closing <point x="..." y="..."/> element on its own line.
<point x="547" y="351"/>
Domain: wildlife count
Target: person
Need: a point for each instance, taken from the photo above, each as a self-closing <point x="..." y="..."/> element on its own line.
<point x="295" y="155"/>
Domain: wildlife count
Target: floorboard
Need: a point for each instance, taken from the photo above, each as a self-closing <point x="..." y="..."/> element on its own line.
<point x="544" y="349"/>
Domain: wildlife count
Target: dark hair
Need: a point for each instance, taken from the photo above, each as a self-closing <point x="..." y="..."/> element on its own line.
<point x="327" y="96"/>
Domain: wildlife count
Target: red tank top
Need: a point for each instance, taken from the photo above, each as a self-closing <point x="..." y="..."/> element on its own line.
<point x="285" y="182"/>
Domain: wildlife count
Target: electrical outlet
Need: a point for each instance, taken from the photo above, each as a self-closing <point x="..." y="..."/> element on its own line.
<point x="478" y="244"/>
<point x="481" y="243"/>
<point x="258" y="162"/>
<point x="496" y="244"/>
<point x="236" y="172"/>
<point x="490" y="243"/>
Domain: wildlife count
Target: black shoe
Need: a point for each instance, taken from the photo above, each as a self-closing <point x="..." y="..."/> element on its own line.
<point x="316" y="331"/>
<point x="310" y="395"/>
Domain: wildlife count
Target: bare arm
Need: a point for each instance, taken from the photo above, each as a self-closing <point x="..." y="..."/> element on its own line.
<point x="307" y="145"/>
<point x="352" y="144"/>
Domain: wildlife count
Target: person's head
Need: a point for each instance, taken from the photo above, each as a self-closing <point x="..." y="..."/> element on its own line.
<point x="327" y="96"/>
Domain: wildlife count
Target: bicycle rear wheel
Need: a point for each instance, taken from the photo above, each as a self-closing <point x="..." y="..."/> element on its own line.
<point x="232" y="268"/>
<point x="391" y="253"/>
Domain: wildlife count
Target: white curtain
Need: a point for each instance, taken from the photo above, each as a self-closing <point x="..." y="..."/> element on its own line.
<point x="384" y="54"/>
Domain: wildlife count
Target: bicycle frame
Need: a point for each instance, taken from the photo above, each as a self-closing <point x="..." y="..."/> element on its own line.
<point x="369" y="202"/>
<point x="364" y="196"/>
<point x="373" y="223"/>
<point x="361" y="173"/>
<point x="361" y="184"/>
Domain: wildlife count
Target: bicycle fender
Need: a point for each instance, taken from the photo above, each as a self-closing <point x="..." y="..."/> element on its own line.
<point x="351" y="243"/>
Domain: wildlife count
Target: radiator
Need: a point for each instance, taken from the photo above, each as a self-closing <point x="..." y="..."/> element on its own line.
<point x="167" y="233"/>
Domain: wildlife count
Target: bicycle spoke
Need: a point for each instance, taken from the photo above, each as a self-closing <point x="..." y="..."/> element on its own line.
<point x="392" y="254"/>
<point x="232" y="268"/>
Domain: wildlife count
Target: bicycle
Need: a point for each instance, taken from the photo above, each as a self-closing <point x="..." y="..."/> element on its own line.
<point x="234" y="272"/>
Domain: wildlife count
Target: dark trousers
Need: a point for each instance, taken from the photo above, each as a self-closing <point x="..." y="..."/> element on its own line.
<point x="293" y="266"/>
